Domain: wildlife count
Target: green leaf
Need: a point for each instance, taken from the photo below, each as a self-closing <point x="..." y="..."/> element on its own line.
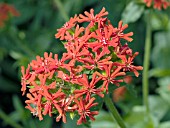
<point x="72" y="115"/>
<point x="15" y="54"/>
<point x="159" y="20"/>
<point x="155" y="109"/>
<point x="165" y="124"/>
<point x="132" y="12"/>
<point x="136" y="115"/>
<point x="161" y="52"/>
<point x="164" y="89"/>
<point x="159" y="72"/>
<point x="15" y="116"/>
<point x="164" y="83"/>
<point x="137" y="118"/>
<point x="104" y="120"/>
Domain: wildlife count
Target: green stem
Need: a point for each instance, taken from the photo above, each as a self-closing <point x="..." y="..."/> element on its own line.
<point x="114" y="111"/>
<point x="146" y="63"/>
<point x="8" y="120"/>
<point x="61" y="9"/>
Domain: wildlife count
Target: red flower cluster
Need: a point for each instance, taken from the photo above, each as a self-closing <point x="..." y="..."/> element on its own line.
<point x="95" y="59"/>
<point x="5" y="10"/>
<point x="159" y="4"/>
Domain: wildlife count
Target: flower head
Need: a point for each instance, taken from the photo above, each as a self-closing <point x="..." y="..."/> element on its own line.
<point x="158" y="4"/>
<point x="5" y="10"/>
<point x="94" y="58"/>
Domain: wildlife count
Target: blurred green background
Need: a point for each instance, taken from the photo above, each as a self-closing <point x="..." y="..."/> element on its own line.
<point x="32" y="33"/>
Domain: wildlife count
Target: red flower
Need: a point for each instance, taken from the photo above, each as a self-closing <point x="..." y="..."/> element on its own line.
<point x="148" y="2"/>
<point x="158" y="4"/>
<point x="67" y="26"/>
<point x="39" y="90"/>
<point x="123" y="50"/>
<point x="48" y="108"/>
<point x="87" y="35"/>
<point x="53" y="102"/>
<point x="74" y="74"/>
<point x="93" y="19"/>
<point x="98" y="61"/>
<point x="88" y="88"/>
<point x="84" y="110"/>
<point x="121" y="34"/>
<point x="27" y="78"/>
<point x="55" y="64"/>
<point x="77" y="37"/>
<point x="46" y="65"/>
<point x="75" y="53"/>
<point x="40" y="87"/>
<point x="5" y="10"/>
<point x="127" y="64"/>
<point x="111" y="75"/>
<point x="74" y="36"/>
<point x="34" y="104"/>
<point x="161" y="3"/>
<point x="104" y="39"/>
<point x="66" y="106"/>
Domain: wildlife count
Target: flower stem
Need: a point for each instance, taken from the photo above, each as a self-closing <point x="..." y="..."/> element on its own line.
<point x="146" y="63"/>
<point x="114" y="111"/>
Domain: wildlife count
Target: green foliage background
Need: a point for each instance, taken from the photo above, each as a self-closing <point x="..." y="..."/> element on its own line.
<point x="32" y="33"/>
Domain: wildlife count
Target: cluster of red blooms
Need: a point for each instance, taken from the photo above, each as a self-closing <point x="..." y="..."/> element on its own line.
<point x="5" y="10"/>
<point x="159" y="4"/>
<point x="95" y="59"/>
